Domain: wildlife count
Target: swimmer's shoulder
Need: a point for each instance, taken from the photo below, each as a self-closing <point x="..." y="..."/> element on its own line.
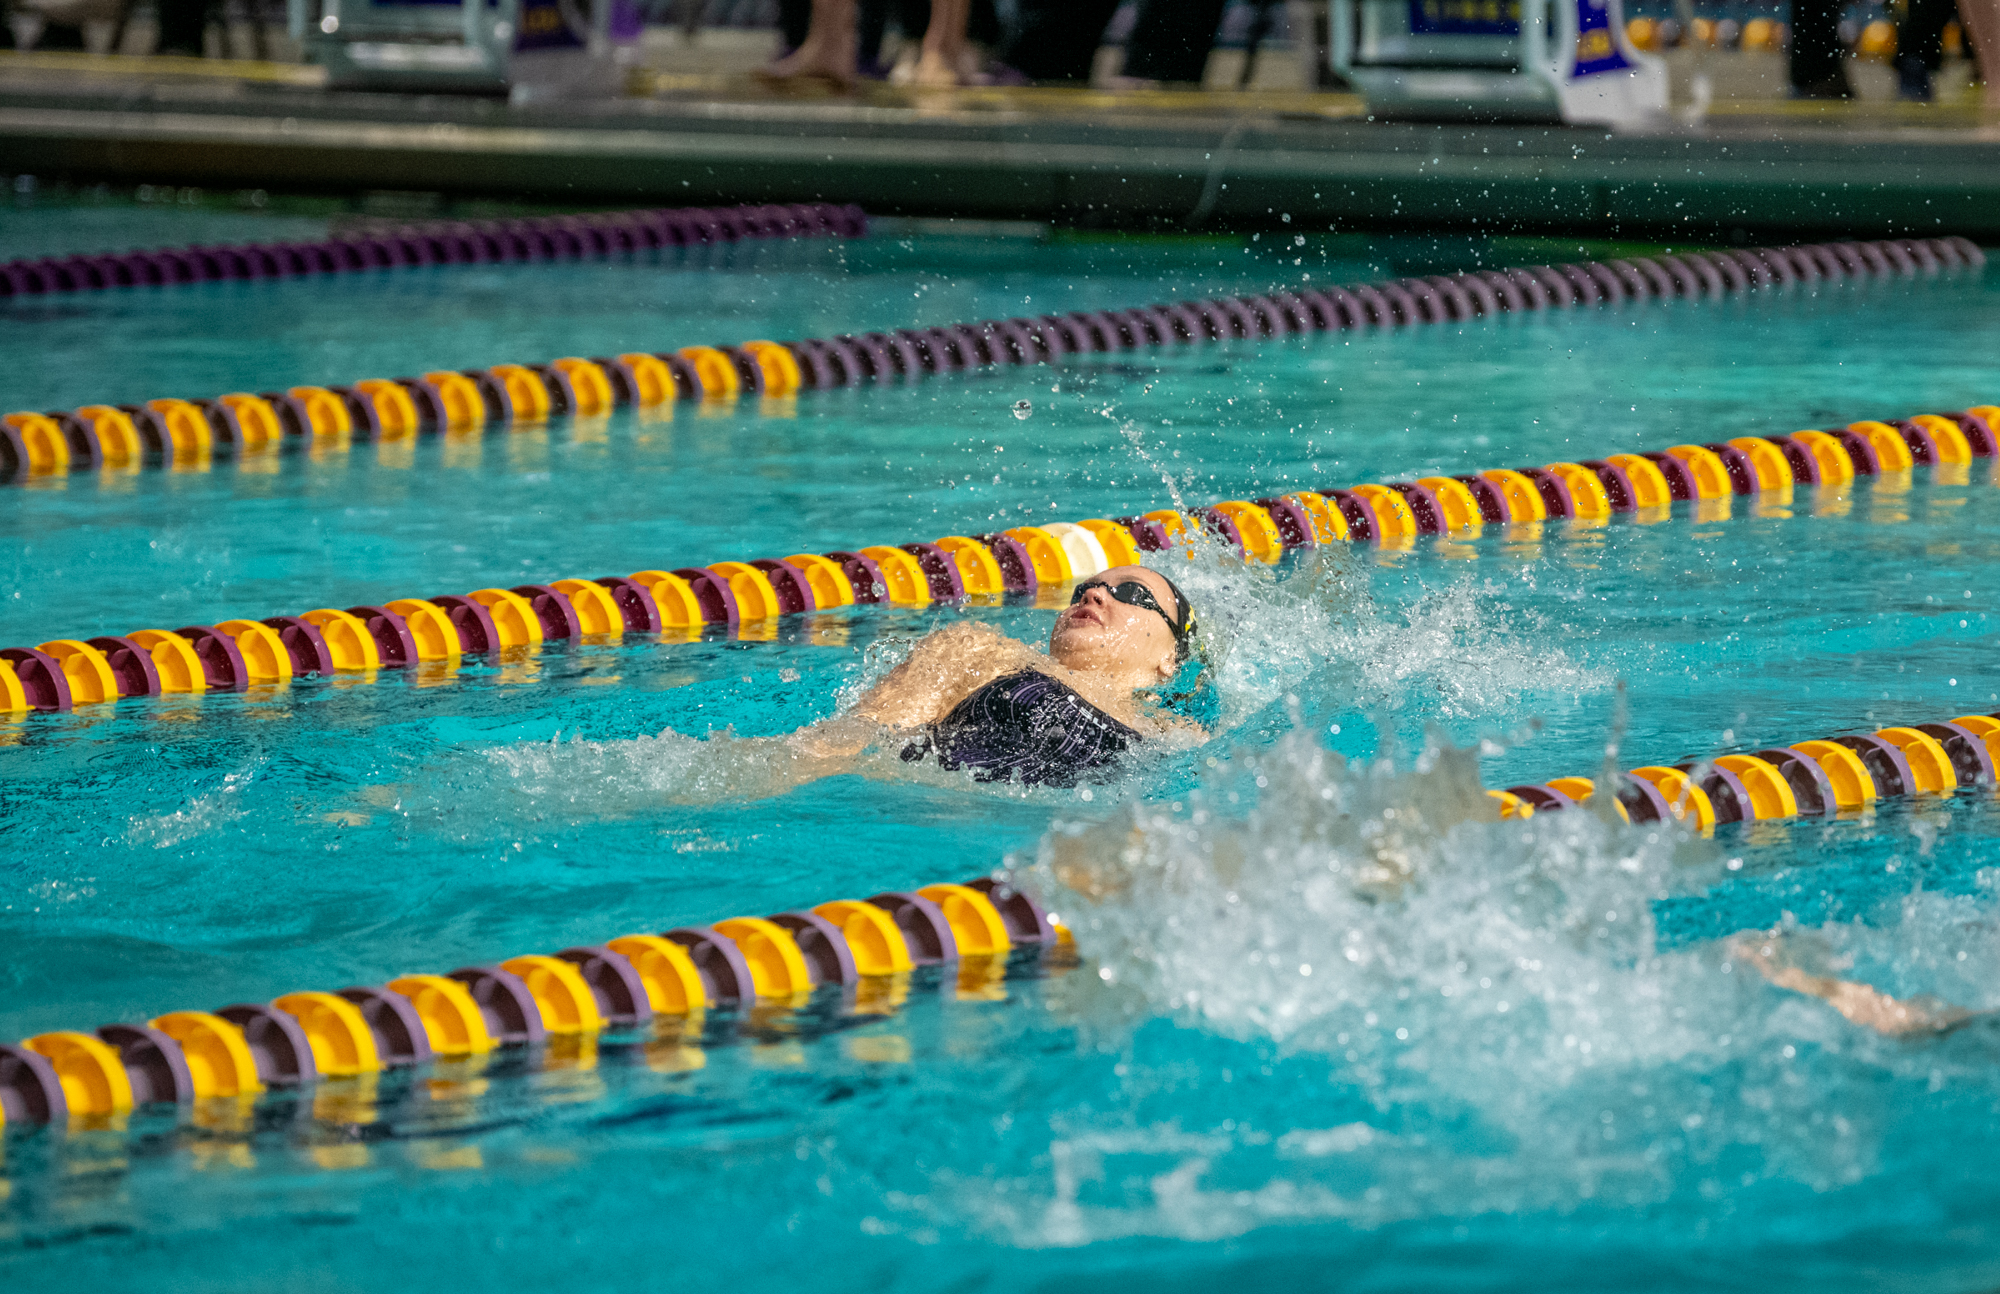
<point x="975" y="633"/>
<point x="967" y="643"/>
<point x="943" y="668"/>
<point x="961" y="633"/>
<point x="952" y="643"/>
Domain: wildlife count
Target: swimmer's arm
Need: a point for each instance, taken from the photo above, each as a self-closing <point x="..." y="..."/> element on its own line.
<point x="1861" y="1003"/>
<point x="836" y="740"/>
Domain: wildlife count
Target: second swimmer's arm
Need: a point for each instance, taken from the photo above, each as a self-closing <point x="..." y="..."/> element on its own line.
<point x="1864" y="1004"/>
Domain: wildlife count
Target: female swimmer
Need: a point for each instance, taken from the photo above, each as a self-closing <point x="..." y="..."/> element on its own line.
<point x="976" y="699"/>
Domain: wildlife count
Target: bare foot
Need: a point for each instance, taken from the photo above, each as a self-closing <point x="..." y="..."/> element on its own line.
<point x="788" y="72"/>
<point x="816" y="60"/>
<point x="1861" y="1003"/>
<point x="934" y="72"/>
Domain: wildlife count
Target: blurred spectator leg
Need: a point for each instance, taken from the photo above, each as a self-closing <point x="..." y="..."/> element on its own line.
<point x="260" y="35"/>
<point x="826" y="53"/>
<point x="1172" y="39"/>
<point x="944" y="55"/>
<point x="1982" y="24"/>
<point x="1056" y="40"/>
<point x="1818" y="62"/>
<point x="1260" y="27"/>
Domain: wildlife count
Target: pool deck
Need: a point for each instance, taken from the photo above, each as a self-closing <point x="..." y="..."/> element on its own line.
<point x="1147" y="160"/>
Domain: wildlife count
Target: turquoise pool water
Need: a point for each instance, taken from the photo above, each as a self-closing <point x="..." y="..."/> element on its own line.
<point x="1190" y="1103"/>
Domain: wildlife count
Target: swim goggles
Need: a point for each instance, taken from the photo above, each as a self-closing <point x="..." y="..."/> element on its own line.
<point x="1134" y="594"/>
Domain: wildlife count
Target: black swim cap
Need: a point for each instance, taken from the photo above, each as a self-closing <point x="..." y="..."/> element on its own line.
<point x="1183" y="624"/>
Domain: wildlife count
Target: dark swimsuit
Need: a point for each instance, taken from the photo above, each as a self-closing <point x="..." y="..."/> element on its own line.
<point x="1026" y="727"/>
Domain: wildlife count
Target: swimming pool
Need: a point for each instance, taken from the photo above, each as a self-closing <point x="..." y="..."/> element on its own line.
<point x="1186" y="1104"/>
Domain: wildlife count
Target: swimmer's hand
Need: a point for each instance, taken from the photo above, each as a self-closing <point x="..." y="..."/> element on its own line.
<point x="1090" y="864"/>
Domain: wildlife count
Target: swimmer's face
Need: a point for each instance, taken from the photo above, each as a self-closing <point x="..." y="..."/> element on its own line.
<point x="1099" y="632"/>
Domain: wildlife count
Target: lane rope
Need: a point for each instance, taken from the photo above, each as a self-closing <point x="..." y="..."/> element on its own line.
<point x="1843" y="774"/>
<point x="188" y="434"/>
<point x="588" y="236"/>
<point x="864" y="950"/>
<point x="734" y="598"/>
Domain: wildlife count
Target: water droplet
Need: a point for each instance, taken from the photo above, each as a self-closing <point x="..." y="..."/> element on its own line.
<point x="1022" y="409"/>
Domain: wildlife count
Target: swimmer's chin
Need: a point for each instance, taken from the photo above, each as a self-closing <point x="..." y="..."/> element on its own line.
<point x="1086" y="645"/>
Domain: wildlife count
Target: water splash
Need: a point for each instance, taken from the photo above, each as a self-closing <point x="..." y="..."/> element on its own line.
<point x="1483" y="1005"/>
<point x="1316" y="629"/>
<point x="203" y="815"/>
<point x="1461" y="651"/>
<point x="1343" y="882"/>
